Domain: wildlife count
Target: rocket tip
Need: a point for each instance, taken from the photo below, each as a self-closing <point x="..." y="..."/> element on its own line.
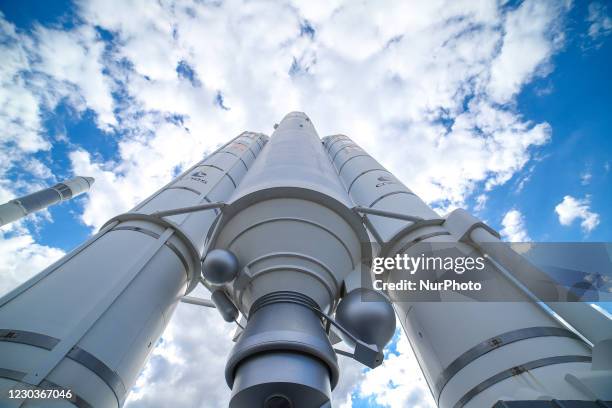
<point x="296" y="115"/>
<point x="295" y="120"/>
<point x="90" y="180"/>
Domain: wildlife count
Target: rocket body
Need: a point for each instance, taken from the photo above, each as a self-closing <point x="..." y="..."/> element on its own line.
<point x="290" y="226"/>
<point x="20" y="207"/>
<point x="88" y="322"/>
<point x="279" y="231"/>
<point x="469" y="351"/>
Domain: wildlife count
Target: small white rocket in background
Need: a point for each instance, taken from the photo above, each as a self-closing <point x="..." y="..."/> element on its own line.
<point x="22" y="206"/>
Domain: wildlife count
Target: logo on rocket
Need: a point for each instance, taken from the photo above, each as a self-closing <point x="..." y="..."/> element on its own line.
<point x="384" y="181"/>
<point x="199" y="176"/>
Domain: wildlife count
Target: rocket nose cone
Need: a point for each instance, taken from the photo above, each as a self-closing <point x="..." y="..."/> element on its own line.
<point x="296" y="115"/>
<point x="295" y="120"/>
<point x="90" y="180"/>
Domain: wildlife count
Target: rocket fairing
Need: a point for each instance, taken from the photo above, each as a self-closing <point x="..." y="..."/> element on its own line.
<point x="22" y="206"/>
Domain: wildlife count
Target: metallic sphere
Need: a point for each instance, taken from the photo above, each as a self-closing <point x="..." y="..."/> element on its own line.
<point x="220" y="266"/>
<point x="367" y="315"/>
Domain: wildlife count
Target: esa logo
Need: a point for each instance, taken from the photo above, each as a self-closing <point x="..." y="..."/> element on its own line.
<point x="199" y="176"/>
<point x="384" y="181"/>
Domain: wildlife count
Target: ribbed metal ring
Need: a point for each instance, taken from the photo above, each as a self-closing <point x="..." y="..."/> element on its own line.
<point x="284" y="296"/>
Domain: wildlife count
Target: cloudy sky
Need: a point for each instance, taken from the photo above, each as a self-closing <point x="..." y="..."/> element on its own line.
<point x="501" y="107"/>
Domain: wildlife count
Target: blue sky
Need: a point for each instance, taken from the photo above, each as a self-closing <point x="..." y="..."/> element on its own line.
<point x="501" y="109"/>
<point x="575" y="98"/>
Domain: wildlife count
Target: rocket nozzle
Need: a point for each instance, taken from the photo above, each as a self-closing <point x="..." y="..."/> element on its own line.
<point x="283" y="358"/>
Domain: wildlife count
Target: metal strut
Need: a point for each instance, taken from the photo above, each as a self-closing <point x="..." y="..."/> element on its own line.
<point x="388" y="214"/>
<point x="198" y="301"/>
<point x="185" y="210"/>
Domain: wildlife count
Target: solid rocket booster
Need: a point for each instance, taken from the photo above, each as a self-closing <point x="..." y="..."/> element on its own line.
<point x="88" y="322"/>
<point x="22" y="206"/>
<point x="470" y="352"/>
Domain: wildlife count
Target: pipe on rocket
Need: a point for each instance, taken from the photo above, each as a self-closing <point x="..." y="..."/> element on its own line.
<point x="469" y="352"/>
<point x="88" y="322"/>
<point x="22" y="206"/>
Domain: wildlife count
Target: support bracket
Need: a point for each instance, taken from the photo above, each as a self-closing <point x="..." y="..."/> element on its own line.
<point x="185" y="210"/>
<point x="387" y="214"/>
<point x="198" y="301"/>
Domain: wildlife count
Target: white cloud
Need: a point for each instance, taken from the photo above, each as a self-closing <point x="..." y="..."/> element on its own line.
<point x="524" y="179"/>
<point x="572" y="208"/>
<point x="19" y="105"/>
<point x="398" y="382"/>
<point x="38" y="169"/>
<point x="21" y="258"/>
<point x="585" y="178"/>
<point x="75" y="58"/>
<point x="529" y="41"/>
<point x="600" y="22"/>
<point x="481" y="202"/>
<point x="39" y="70"/>
<point x="514" y="229"/>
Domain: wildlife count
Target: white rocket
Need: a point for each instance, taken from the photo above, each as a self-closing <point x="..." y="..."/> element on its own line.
<point x="22" y="206"/>
<point x="474" y="354"/>
<point x="278" y="230"/>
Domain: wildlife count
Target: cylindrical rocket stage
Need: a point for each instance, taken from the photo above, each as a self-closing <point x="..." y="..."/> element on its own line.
<point x="88" y="322"/>
<point x="291" y="228"/>
<point x="471" y="353"/>
<point x="22" y="206"/>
